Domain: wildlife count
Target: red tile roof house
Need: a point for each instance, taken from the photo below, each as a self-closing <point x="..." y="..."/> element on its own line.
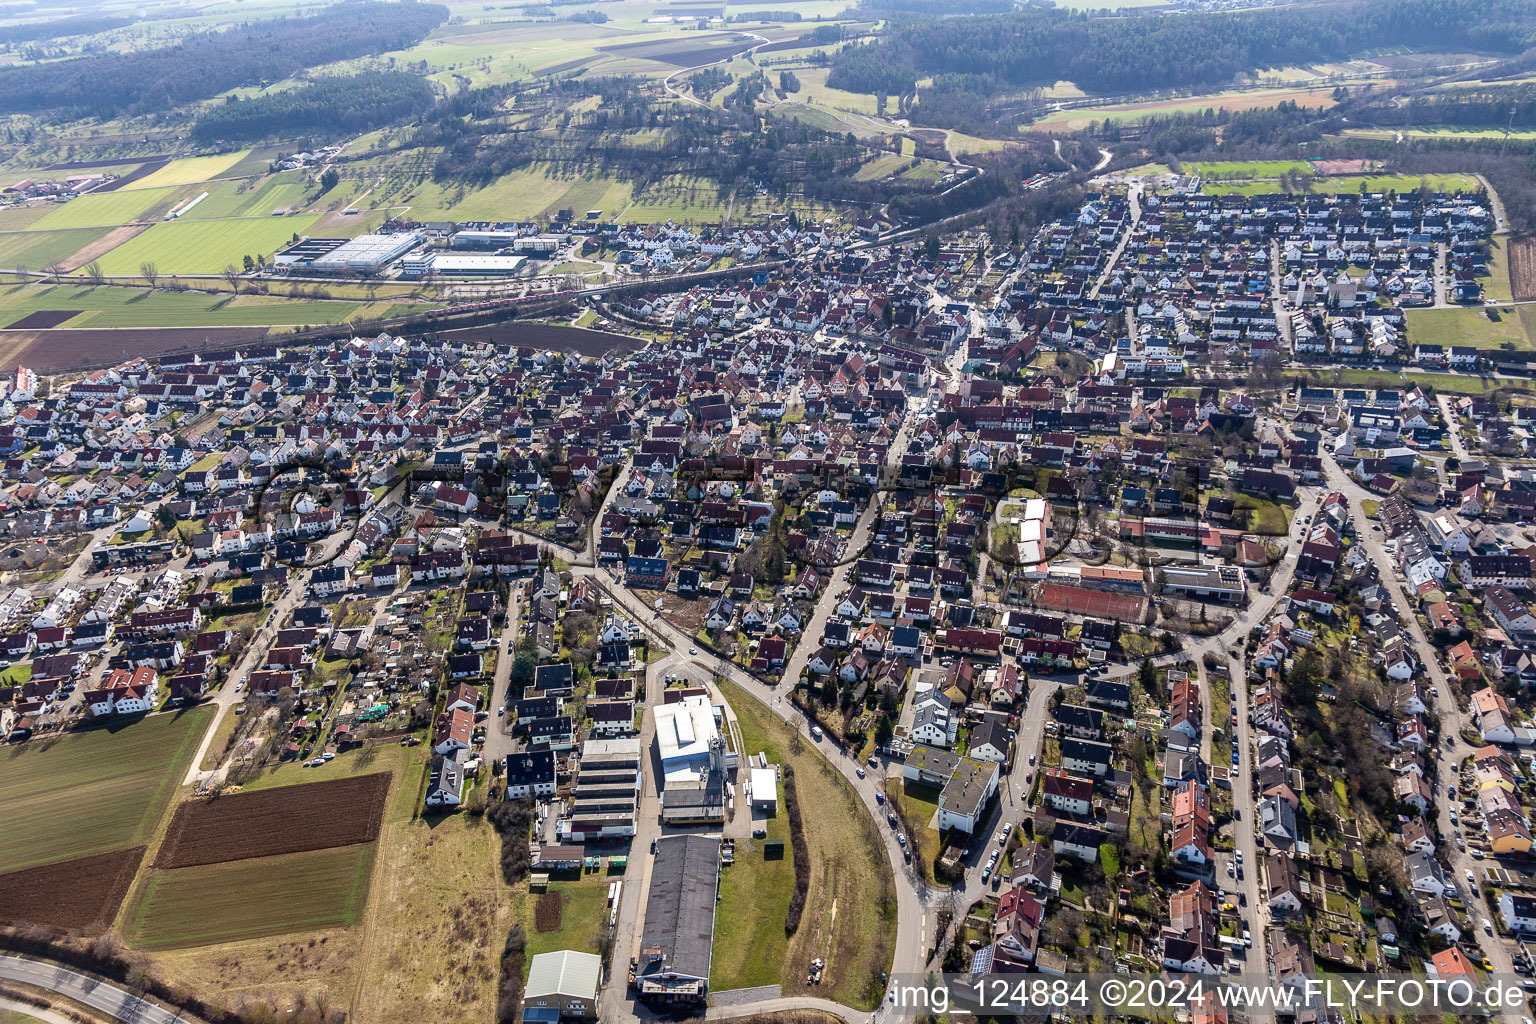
<point x="124" y="692"/>
<point x="453" y="731"/>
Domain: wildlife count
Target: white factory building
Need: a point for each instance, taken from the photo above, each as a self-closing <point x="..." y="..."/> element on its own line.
<point x="366" y="254"/>
<point x="459" y="264"/>
<point x="684" y="731"/>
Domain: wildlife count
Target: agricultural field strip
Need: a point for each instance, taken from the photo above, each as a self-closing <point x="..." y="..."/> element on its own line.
<point x="73" y="894"/>
<point x="290" y="819"/>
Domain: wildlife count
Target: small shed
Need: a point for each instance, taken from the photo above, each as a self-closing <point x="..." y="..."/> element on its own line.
<point x="763" y="789"/>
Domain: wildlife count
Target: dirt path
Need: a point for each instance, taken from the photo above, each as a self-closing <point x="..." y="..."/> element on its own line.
<point x="103" y="245"/>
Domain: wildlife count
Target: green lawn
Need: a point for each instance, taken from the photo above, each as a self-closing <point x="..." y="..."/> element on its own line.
<point x="204" y="246"/>
<point x="1496" y="285"/>
<point x="583" y="914"/>
<point x="248" y="197"/>
<point x="754" y="897"/>
<point x="1450" y="382"/>
<point x="247" y="899"/>
<point x="100" y="790"/>
<point x="1268" y="519"/>
<point x="918" y="804"/>
<point x="849" y="872"/>
<point x="1468" y="327"/>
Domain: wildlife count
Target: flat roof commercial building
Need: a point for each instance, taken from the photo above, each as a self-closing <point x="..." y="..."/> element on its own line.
<point x="679" y="932"/>
<point x="460" y="264"/>
<point x="685" y="732"/>
<point x="1223" y="582"/>
<point x="365" y="254"/>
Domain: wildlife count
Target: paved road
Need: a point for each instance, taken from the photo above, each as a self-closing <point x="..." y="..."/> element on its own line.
<point x="1453" y="717"/>
<point x="97" y="994"/>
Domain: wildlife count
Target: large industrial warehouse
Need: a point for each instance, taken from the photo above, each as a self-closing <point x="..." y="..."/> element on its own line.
<point x="366" y="254"/>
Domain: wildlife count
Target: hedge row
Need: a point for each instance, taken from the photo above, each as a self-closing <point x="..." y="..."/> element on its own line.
<point x="509" y="996"/>
<point x="802" y="853"/>
<point x="512" y="819"/>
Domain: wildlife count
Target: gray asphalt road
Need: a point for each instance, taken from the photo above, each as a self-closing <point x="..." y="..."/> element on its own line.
<point x="97" y="994"/>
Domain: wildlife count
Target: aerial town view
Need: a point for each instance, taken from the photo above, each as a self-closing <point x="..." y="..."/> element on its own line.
<point x="777" y="511"/>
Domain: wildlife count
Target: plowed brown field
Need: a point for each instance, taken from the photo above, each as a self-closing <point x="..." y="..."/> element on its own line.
<point x="290" y="819"/>
<point x="81" y="894"/>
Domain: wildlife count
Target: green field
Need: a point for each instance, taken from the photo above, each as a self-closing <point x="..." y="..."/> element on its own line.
<point x="1496" y="285"/>
<point x="583" y="913"/>
<point x="849" y="871"/>
<point x="189" y="170"/>
<point x="754" y="897"/>
<point x="100" y="790"/>
<point x="1248" y="168"/>
<point x="1453" y="383"/>
<point x="36" y="249"/>
<point x="1268" y="518"/>
<point x="1438" y="133"/>
<point x="204" y="246"/>
<point x="521" y="195"/>
<point x="1469" y="326"/>
<point x="110" y="209"/>
<point x="248" y="197"/>
<point x="679" y="199"/>
<point x="246" y="899"/>
<point x="118" y="306"/>
<point x="1353" y="182"/>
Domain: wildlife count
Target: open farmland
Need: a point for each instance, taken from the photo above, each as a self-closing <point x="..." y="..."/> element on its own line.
<point x="289" y="819"/>
<point x="1079" y="118"/>
<point x="42" y="319"/>
<point x="683" y="52"/>
<point x="1468" y="327"/>
<point x="1248" y="168"/>
<point x="551" y="336"/>
<point x="36" y="249"/>
<point x="1352" y="183"/>
<point x="520" y="195"/>
<point x="103" y="789"/>
<point x="212" y="903"/>
<point x="1522" y="268"/>
<point x="134" y="174"/>
<point x="80" y="895"/>
<point x="110" y="209"/>
<point x="118" y="306"/>
<point x="75" y="347"/>
<point x="188" y="170"/>
<point x="203" y="246"/>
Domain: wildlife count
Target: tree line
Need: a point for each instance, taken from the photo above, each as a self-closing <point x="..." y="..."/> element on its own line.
<point x="1140" y="53"/>
<point x="326" y="106"/>
<point x="208" y="63"/>
<point x="62" y="28"/>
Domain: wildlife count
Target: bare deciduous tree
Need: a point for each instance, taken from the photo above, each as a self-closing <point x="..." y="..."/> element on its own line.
<point x="150" y="273"/>
<point x="56" y="271"/>
<point x="231" y="273"/>
<point x="93" y="272"/>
